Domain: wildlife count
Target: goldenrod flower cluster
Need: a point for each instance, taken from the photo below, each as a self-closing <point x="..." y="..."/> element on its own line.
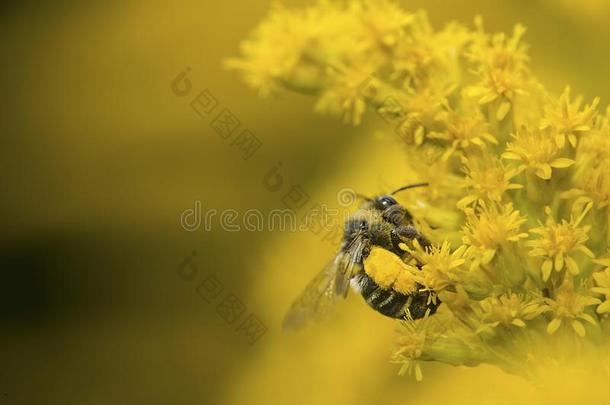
<point x="519" y="196"/>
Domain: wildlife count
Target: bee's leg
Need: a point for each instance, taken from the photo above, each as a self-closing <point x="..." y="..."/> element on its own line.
<point x="409" y="232"/>
<point x="420" y="303"/>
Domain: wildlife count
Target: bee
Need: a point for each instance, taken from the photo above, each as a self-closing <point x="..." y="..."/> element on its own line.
<point x="379" y="223"/>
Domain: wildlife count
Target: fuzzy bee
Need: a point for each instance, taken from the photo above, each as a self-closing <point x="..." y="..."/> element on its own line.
<point x="379" y="226"/>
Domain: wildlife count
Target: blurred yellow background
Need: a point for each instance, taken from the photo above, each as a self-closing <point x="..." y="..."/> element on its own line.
<point x="100" y="158"/>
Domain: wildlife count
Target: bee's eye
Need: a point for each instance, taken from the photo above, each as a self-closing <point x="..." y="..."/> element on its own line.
<point x="386" y="201"/>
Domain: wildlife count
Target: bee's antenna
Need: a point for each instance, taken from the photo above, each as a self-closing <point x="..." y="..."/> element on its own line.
<point x="365" y="198"/>
<point x="408" y="187"/>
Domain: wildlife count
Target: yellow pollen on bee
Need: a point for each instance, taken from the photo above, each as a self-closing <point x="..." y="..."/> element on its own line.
<point x="388" y="271"/>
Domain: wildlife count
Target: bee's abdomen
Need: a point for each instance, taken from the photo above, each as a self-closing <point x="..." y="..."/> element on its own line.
<point x="393" y="303"/>
<point x="388" y="302"/>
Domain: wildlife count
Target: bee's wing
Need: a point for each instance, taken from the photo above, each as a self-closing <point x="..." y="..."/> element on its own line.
<point x="349" y="263"/>
<point x="322" y="291"/>
<point x="315" y="300"/>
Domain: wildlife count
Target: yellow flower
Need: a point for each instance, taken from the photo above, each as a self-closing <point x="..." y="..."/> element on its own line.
<point x="570" y="306"/>
<point x="595" y="147"/>
<point x="424" y="109"/>
<point x="276" y="48"/>
<point x="602" y="286"/>
<point x="558" y="242"/>
<point x="499" y="51"/>
<point x="502" y="67"/>
<point x="463" y="132"/>
<point x="343" y="95"/>
<point x="593" y="166"/>
<point x="411" y="346"/>
<point x="509" y="309"/>
<point x="486" y="179"/>
<point x="427" y="337"/>
<point x="537" y="151"/>
<point x="597" y="184"/>
<point x="416" y="55"/>
<point x="478" y="127"/>
<point x="566" y="121"/>
<point x="439" y="265"/>
<point x="384" y="22"/>
<point x="487" y="228"/>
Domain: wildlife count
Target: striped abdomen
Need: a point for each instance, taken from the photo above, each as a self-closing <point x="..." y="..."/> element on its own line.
<point x="390" y="302"/>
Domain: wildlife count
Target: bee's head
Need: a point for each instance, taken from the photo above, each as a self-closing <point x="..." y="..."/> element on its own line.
<point x="386" y="201"/>
<point x="378" y="203"/>
<point x="389" y="207"/>
<point x="383" y="202"/>
<point x="391" y="211"/>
